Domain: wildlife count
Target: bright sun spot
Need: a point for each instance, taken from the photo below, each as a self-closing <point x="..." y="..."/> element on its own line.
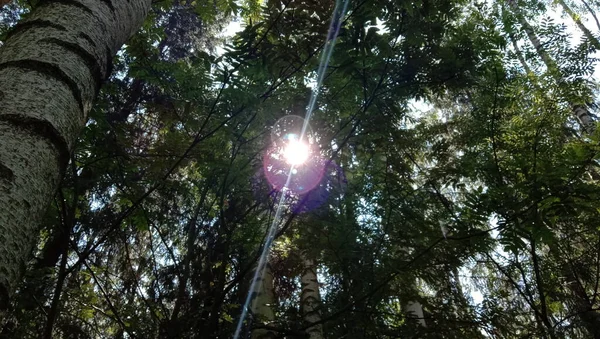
<point x="296" y="152"/>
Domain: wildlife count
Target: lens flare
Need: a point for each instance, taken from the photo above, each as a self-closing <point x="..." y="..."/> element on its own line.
<point x="296" y="152"/>
<point x="292" y="161"/>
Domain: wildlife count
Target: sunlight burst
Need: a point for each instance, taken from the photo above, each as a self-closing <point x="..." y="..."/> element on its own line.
<point x="296" y="152"/>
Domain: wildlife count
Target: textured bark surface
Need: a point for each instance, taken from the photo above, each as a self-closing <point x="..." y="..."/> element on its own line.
<point x="51" y="68"/>
<point x="310" y="298"/>
<point x="262" y="305"/>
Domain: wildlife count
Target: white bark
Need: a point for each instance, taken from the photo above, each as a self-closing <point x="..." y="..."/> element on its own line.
<point x="580" y="111"/>
<point x="310" y="298"/>
<point x="519" y="54"/>
<point x="263" y="303"/>
<point x="588" y="34"/>
<point x="414" y="309"/>
<point x="51" y="68"/>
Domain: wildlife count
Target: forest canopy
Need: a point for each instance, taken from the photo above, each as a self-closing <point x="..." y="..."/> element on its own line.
<point x="410" y="169"/>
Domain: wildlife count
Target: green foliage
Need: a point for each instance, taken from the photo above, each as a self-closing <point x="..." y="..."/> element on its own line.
<point x="491" y="190"/>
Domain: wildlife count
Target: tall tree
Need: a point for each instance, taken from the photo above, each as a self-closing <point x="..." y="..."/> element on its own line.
<point x="52" y="67"/>
<point x="580" y="110"/>
<point x="577" y="19"/>
<point x="451" y="180"/>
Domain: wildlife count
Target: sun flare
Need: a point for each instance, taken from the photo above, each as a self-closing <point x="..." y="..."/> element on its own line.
<point x="296" y="152"/>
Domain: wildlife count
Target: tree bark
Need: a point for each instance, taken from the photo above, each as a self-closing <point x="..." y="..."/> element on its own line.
<point x="310" y="298"/>
<point x="414" y="309"/>
<point x="592" y="13"/>
<point x="519" y="54"/>
<point x="589" y="317"/>
<point x="580" y="24"/>
<point x="262" y="305"/>
<point x="580" y="111"/>
<point x="51" y="68"/>
<point x="583" y="305"/>
<point x="54" y="306"/>
<point x="535" y="41"/>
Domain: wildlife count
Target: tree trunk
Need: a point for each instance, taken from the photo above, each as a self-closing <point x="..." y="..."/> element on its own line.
<point x="586" y="312"/>
<point x="580" y="110"/>
<point x="51" y="68"/>
<point x="262" y="305"/>
<point x="583" y="305"/>
<point x="592" y="13"/>
<point x="310" y="298"/>
<point x="414" y="309"/>
<point x="519" y="54"/>
<point x="581" y="26"/>
<point x="535" y="41"/>
<point x="589" y="317"/>
<point x="54" y="306"/>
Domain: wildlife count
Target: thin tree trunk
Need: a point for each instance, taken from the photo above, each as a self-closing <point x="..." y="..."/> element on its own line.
<point x="519" y="54"/>
<point x="537" y="44"/>
<point x="583" y="306"/>
<point x="591" y="11"/>
<point x="51" y="68"/>
<point x="589" y="316"/>
<point x="586" y="312"/>
<point x="581" y="26"/>
<point x="539" y="283"/>
<point x="262" y="305"/>
<point x="185" y="265"/>
<point x="219" y="295"/>
<point x="310" y="298"/>
<point x="414" y="309"/>
<point x="62" y="274"/>
<point x="580" y="110"/>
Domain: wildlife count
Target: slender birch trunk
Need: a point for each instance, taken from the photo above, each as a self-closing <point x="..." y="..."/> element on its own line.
<point x="310" y="298"/>
<point x="51" y="68"/>
<point x="262" y="305"/>
<point x="414" y="309"/>
<point x="591" y="11"/>
<point x="580" y="110"/>
<point x="519" y="54"/>
<point x="588" y="316"/>
<point x="588" y="34"/>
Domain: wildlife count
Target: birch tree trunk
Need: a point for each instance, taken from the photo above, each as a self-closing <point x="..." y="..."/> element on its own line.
<point x="592" y="13"/>
<point x="580" y="24"/>
<point x="310" y="298"/>
<point x="580" y="110"/>
<point x="519" y="54"/>
<point x="414" y="309"/>
<point x="262" y="305"/>
<point x="51" y="68"/>
<point x="586" y="313"/>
